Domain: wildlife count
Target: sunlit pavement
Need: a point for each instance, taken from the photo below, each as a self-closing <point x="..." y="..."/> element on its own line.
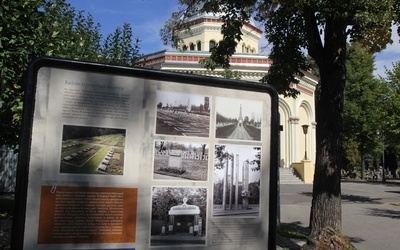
<point x="370" y="211"/>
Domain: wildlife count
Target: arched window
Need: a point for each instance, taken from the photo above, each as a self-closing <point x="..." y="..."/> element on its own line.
<point x="184" y="48"/>
<point x="191" y="46"/>
<point x="243" y="48"/>
<point x="212" y="44"/>
<point x="198" y="45"/>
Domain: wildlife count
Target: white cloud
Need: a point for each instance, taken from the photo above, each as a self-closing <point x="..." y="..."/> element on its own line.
<point x="388" y="56"/>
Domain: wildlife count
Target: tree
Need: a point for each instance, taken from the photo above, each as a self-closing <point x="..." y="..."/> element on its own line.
<point x="17" y="47"/>
<point x="389" y="125"/>
<point x="322" y="29"/>
<point x="363" y="96"/>
<point x="391" y="103"/>
<point x="55" y="29"/>
<point x="120" y="48"/>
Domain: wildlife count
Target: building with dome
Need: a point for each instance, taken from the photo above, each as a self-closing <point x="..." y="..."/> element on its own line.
<point x="204" y="33"/>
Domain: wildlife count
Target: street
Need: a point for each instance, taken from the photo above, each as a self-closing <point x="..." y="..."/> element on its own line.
<point x="370" y="211"/>
<point x="240" y="133"/>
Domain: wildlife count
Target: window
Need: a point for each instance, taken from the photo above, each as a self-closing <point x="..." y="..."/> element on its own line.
<point x="212" y="44"/>
<point x="198" y="45"/>
<point x="191" y="46"/>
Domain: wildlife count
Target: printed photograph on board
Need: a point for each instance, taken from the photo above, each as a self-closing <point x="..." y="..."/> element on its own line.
<point x="238" y="119"/>
<point x="92" y="150"/>
<point x="237" y="175"/>
<point x="182" y="114"/>
<point x="178" y="216"/>
<point x="180" y="161"/>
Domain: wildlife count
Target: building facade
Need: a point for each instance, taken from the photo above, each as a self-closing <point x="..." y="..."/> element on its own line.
<point x="205" y="33"/>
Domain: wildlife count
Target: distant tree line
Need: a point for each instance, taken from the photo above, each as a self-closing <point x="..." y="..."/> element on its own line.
<point x="371" y="114"/>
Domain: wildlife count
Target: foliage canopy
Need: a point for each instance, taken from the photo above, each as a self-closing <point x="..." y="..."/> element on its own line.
<point x="55" y="29"/>
<point x="363" y="100"/>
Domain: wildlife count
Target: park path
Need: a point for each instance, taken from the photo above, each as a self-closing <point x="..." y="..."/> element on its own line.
<point x="240" y="134"/>
<point x="370" y="211"/>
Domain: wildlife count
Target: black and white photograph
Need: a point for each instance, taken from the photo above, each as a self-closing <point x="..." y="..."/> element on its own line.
<point x="238" y="119"/>
<point x="182" y="114"/>
<point x="92" y="150"/>
<point x="178" y="216"/>
<point x="180" y="161"/>
<point x="237" y="175"/>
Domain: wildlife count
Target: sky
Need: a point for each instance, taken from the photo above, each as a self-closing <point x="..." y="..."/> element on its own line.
<point x="230" y="107"/>
<point x="177" y="98"/>
<point x="244" y="153"/>
<point x="147" y="17"/>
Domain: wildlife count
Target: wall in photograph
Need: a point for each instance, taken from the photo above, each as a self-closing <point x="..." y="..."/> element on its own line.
<point x="174" y="160"/>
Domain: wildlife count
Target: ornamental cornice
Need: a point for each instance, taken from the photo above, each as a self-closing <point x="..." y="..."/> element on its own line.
<point x="294" y="120"/>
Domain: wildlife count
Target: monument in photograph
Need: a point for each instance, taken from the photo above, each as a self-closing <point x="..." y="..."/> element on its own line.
<point x="236" y="181"/>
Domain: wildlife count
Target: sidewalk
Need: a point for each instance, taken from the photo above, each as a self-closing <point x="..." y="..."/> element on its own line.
<point x="370" y="212"/>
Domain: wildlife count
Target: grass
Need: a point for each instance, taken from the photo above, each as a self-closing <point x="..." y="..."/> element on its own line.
<point x="291" y="232"/>
<point x="226" y="131"/>
<point x="195" y="169"/>
<point x="255" y="133"/>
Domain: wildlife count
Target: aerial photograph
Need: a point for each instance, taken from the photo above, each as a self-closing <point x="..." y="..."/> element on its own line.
<point x="92" y="150"/>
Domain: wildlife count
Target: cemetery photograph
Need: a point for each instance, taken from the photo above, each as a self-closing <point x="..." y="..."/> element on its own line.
<point x="238" y="119"/>
<point x="178" y="216"/>
<point x="180" y="161"/>
<point x="237" y="175"/>
<point x="182" y="114"/>
<point x="92" y="150"/>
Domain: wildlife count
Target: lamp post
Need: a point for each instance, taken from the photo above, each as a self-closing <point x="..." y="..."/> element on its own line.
<point x="305" y="130"/>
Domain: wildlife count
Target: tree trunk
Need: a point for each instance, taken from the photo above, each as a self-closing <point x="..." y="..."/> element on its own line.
<point x="326" y="202"/>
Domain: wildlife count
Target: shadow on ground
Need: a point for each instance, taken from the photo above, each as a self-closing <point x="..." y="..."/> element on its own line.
<point x="388" y="213"/>
<point x="353" y="198"/>
<point x="355" y="239"/>
<point x="360" y="199"/>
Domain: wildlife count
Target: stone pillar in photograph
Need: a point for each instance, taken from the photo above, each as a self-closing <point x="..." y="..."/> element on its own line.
<point x="231" y="183"/>
<point x="171" y="224"/>
<point x="237" y="183"/>
<point x="200" y="223"/>
<point x="225" y="183"/>
<point x="196" y="225"/>
<point x="245" y="187"/>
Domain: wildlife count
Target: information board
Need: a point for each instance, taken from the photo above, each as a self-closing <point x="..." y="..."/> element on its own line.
<point x="131" y="158"/>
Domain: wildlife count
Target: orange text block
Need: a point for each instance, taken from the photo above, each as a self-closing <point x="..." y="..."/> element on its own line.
<point x="87" y="215"/>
